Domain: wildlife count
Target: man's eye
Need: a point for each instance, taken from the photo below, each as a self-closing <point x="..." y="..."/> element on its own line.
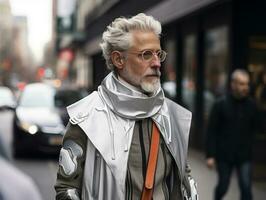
<point x="147" y="54"/>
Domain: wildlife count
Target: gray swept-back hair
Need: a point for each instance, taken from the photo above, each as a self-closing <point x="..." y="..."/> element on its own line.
<point x="117" y="36"/>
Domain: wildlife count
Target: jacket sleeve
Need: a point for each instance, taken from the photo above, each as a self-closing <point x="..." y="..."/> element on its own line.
<point x="212" y="128"/>
<point x="71" y="164"/>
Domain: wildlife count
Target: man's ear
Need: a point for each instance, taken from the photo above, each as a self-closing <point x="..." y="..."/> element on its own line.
<point x="117" y="59"/>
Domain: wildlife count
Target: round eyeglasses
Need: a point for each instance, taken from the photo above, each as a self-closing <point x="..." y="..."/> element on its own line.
<point x="147" y="55"/>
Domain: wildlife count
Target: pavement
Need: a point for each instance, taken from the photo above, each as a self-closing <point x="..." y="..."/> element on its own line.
<point x="206" y="180"/>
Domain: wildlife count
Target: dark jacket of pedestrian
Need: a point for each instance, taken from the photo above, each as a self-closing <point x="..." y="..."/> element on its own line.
<point x="230" y="133"/>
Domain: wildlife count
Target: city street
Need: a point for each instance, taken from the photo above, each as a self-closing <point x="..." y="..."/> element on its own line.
<point x="43" y="172"/>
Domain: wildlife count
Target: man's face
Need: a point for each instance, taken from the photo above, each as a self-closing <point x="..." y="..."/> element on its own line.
<point x="240" y="86"/>
<point x="138" y="72"/>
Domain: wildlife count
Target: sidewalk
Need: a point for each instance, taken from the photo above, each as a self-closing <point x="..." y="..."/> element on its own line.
<point x="206" y="180"/>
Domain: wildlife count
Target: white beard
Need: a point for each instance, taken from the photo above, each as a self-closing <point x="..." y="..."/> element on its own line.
<point x="150" y="87"/>
<point x="147" y="87"/>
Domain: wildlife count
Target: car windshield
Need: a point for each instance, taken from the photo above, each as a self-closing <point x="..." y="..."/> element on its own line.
<point x="37" y="96"/>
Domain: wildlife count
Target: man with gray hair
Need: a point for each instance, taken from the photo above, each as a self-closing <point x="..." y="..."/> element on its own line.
<point x="232" y="123"/>
<point x="126" y="140"/>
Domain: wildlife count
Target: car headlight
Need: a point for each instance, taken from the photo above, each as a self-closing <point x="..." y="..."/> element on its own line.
<point x="28" y="127"/>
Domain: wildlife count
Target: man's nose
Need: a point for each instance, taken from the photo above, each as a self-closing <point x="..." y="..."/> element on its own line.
<point x="156" y="62"/>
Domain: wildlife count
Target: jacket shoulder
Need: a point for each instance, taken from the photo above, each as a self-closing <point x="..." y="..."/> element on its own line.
<point x="174" y="107"/>
<point x="80" y="110"/>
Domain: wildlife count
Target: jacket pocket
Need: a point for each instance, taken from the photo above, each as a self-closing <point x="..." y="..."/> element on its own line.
<point x="96" y="174"/>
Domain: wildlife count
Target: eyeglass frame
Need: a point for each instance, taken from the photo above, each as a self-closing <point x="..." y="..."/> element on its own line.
<point x="154" y="53"/>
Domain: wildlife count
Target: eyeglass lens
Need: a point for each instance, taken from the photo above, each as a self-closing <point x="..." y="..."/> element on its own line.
<point x="148" y="55"/>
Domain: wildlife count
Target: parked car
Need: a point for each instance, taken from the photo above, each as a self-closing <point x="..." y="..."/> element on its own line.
<point x="7" y="98"/>
<point x="41" y="117"/>
<point x="37" y="125"/>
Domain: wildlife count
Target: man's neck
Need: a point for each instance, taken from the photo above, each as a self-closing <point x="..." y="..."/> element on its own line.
<point x="128" y="84"/>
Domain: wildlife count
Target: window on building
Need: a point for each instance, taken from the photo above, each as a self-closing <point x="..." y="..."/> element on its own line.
<point x="169" y="69"/>
<point x="257" y="68"/>
<point x="189" y="72"/>
<point x="216" y="65"/>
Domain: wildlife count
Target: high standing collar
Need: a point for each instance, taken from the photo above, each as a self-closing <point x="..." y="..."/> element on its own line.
<point x="129" y="103"/>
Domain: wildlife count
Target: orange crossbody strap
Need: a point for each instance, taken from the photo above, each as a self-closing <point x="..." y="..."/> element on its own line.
<point x="152" y="162"/>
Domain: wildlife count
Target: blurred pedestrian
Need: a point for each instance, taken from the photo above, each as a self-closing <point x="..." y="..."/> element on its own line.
<point x="232" y="123"/>
<point x="126" y="140"/>
<point x="14" y="184"/>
